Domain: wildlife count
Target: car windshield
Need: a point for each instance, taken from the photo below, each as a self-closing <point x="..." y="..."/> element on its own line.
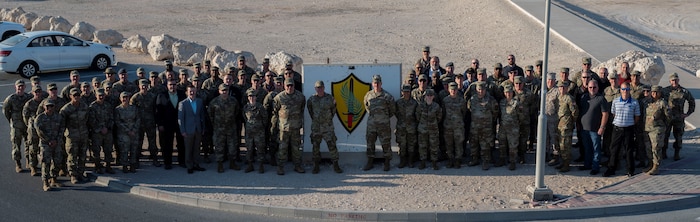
<point x="12" y="41"/>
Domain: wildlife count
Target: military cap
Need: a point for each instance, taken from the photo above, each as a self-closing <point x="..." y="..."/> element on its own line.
<point x="250" y="93"/>
<point x="215" y="68"/>
<point x="223" y="86"/>
<point x="124" y="94"/>
<point x="288" y="82"/>
<point x="100" y="92"/>
<point x="552" y="75"/>
<point x="122" y="71"/>
<point x="36" y="88"/>
<point x="266" y="60"/>
<point x="471" y="71"/>
<point x="74" y="91"/>
<point x="586" y="60"/>
<point x="168" y="62"/>
<point x="19" y="82"/>
<point x="318" y="83"/>
<point x="453" y="85"/>
<point x="422" y="77"/>
<point x="95" y="79"/>
<point x="377" y="78"/>
<point x="656" y="88"/>
<point x="447" y="80"/>
<point x="563" y="83"/>
<point x="140" y="70"/>
<point x="241" y="72"/>
<point x="426" y="48"/>
<point x="198" y="65"/>
<point x="51" y="86"/>
<point x="538" y="63"/>
<point x="406" y="88"/>
<point x="637" y="73"/>
<point x="529" y="68"/>
<point x="109" y="70"/>
<point x="429" y="92"/>
<point x="241" y="58"/>
<point x="255" y="77"/>
<point x="84" y="84"/>
<point x="564" y="69"/>
<point x="518" y="79"/>
<point x="479" y="85"/>
<point x="412" y="73"/>
<point x="107" y="85"/>
<point x="34" y="79"/>
<point x="50" y="102"/>
<point x="183" y="71"/>
<point x="646" y="87"/>
<point x="74" y="73"/>
<point x="482" y="71"/>
<point x="207" y="62"/>
<point x="673" y="76"/>
<point x="230" y="69"/>
<point x="450" y="64"/>
<point x="152" y="74"/>
<point x="279" y="79"/>
<point x="612" y="75"/>
<point x="289" y="63"/>
<point x="144" y="82"/>
<point x="507" y="89"/>
<point x="195" y="77"/>
<point x="498" y="65"/>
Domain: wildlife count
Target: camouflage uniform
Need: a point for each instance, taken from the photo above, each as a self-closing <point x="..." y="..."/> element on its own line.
<point x="145" y="103"/>
<point x="322" y="110"/>
<point x="676" y="98"/>
<point x="611" y="92"/>
<point x="119" y="87"/>
<point x="483" y="111"/>
<point x="12" y="109"/>
<point x="223" y="113"/>
<point x="101" y="116"/>
<point x="568" y="112"/>
<point x="272" y="137"/>
<point x="29" y="114"/>
<point x="380" y="108"/>
<point x="509" y="136"/>
<point x="453" y="124"/>
<point x="551" y="110"/>
<point x="49" y="128"/>
<point x="127" y="120"/>
<point x="428" y="117"/>
<point x="255" y="116"/>
<point x="406" y="128"/>
<point x="76" y="119"/>
<point x="527" y="107"/>
<point x="288" y="116"/>
<point x="656" y="119"/>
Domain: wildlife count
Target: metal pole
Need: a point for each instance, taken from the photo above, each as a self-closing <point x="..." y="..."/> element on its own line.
<point x="541" y="192"/>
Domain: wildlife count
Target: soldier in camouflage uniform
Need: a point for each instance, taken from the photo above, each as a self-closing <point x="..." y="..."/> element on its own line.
<point x="656" y="119"/>
<point x="483" y="109"/>
<point x="140" y="74"/>
<point x="406" y="126"/>
<point x="268" y="104"/>
<point x="109" y="76"/>
<point x="183" y="82"/>
<point x="209" y="91"/>
<point x="428" y="115"/>
<point x="677" y="95"/>
<point x="75" y="116"/>
<point x="528" y="106"/>
<point x="59" y="103"/>
<point x="455" y="109"/>
<point x="156" y="87"/>
<point x="568" y="112"/>
<point x="418" y="94"/>
<point x="533" y="84"/>
<point x="28" y="114"/>
<point x="127" y="120"/>
<point x="488" y="84"/>
<point x="124" y="85"/>
<point x="36" y="81"/>
<point x="611" y="92"/>
<point x="101" y="123"/>
<point x="145" y="103"/>
<point x="257" y="89"/>
<point x="49" y="128"/>
<point x="287" y="117"/>
<point x="87" y="95"/>
<point x="254" y="116"/>
<point x="74" y="83"/>
<point x="508" y="133"/>
<point x="12" y="109"/>
<point x="380" y="108"/>
<point x="321" y="108"/>
<point x="637" y="93"/>
<point x="551" y="110"/>
<point x="223" y="111"/>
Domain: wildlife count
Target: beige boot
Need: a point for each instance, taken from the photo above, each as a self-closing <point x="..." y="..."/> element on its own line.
<point x="654" y="170"/>
<point x="46" y="186"/>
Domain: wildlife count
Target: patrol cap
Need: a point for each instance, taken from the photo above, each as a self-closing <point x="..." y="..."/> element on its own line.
<point x="198" y="65"/>
<point x="51" y="86"/>
<point x="612" y="75"/>
<point x="518" y="79"/>
<point x="250" y="93"/>
<point x="49" y="102"/>
<point x="538" y="63"/>
<point x="279" y="79"/>
<point x="498" y="65"/>
<point x="195" y="77"/>
<point x="482" y="71"/>
<point x="36" y="88"/>
<point x="100" y="92"/>
<point x="429" y="92"/>
<point x="215" y="68"/>
<point x="552" y="75"/>
<point x="183" y="71"/>
<point x="241" y="58"/>
<point x="426" y="48"/>
<point x="107" y="85"/>
<point x="122" y="71"/>
<point x="471" y="71"/>
<point x="453" y="85"/>
<point x="241" y="72"/>
<point x="656" y="88"/>
<point x="450" y="64"/>
<point x="318" y="84"/>
<point x="529" y="68"/>
<point x="19" y="82"/>
<point x="74" y="91"/>
<point x="636" y="73"/>
<point x="207" y="62"/>
<point x="406" y="88"/>
<point x="288" y="82"/>
<point x="109" y="70"/>
<point x="140" y="70"/>
<point x="231" y="69"/>
<point x="479" y="85"/>
<point x="223" y="87"/>
<point x="34" y="79"/>
<point x="289" y="63"/>
<point x="507" y="89"/>
<point x="95" y="80"/>
<point x="564" y="69"/>
<point x="422" y="77"/>
<point x="377" y="78"/>
<point x="84" y="84"/>
<point x="124" y="94"/>
<point x="168" y="62"/>
<point x="144" y="82"/>
<point x="152" y="74"/>
<point x="74" y="73"/>
<point x="447" y="80"/>
<point x="673" y="76"/>
<point x="563" y="83"/>
<point x="255" y="78"/>
<point x="266" y="60"/>
<point x="586" y="60"/>
<point x="646" y="87"/>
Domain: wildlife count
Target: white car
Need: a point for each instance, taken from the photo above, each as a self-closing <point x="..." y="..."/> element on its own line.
<point x="31" y="53"/>
<point x="9" y="29"/>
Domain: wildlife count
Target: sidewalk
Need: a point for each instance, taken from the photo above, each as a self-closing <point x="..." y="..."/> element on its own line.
<point x="677" y="185"/>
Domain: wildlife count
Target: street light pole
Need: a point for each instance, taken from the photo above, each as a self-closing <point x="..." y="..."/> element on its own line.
<point x="540" y="192"/>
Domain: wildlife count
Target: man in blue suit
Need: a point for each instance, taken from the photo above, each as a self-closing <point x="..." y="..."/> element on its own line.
<point x="190" y="117"/>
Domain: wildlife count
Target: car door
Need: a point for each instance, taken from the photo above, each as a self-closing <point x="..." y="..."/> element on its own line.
<point x="43" y="50"/>
<point x="73" y="53"/>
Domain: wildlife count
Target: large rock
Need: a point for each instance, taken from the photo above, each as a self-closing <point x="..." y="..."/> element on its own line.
<point x="108" y="37"/>
<point x="195" y="58"/>
<point x="59" y="23"/>
<point x="651" y="67"/>
<point x="27" y="19"/>
<point x="3" y="11"/>
<point x="136" y="44"/>
<point x="279" y="60"/>
<point x="183" y="50"/>
<point x="160" y="47"/>
<point x="230" y="59"/>
<point x="212" y="51"/>
<point x="41" y="23"/>
<point x="83" y="30"/>
<point x="13" y="15"/>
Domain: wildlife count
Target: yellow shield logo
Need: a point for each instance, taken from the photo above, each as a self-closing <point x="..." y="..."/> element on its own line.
<point x="349" y="94"/>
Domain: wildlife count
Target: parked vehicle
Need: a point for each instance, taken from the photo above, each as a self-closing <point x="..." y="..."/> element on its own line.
<point x="9" y="29"/>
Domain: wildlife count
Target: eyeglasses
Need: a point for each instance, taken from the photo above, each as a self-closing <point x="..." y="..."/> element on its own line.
<point x="625" y="89"/>
<point x="421" y="80"/>
<point x="475" y="63"/>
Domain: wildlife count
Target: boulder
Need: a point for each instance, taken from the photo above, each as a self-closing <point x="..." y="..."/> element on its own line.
<point x="83" y="30"/>
<point x="13" y="14"/>
<point x="279" y="60"/>
<point x="108" y="37"/>
<point x="230" y="59"/>
<point x="212" y="51"/>
<point x="27" y="19"/>
<point x="195" y="58"/>
<point x="697" y="73"/>
<point x="136" y="44"/>
<point x="183" y="50"/>
<point x="651" y="67"/>
<point x="59" y="23"/>
<point x="41" y="23"/>
<point x="3" y="11"/>
<point x="160" y="47"/>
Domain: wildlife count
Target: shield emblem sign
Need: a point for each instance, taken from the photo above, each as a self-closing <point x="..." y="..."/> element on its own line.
<point x="349" y="94"/>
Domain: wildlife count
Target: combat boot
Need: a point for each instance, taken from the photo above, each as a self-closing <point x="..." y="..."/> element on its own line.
<point x="370" y="164"/>
<point x="387" y="164"/>
<point x="280" y="169"/>
<point x="564" y="167"/>
<point x="133" y="167"/>
<point x="435" y="166"/>
<point x="54" y="183"/>
<point x="46" y="186"/>
<point x="336" y="167"/>
<point x="410" y="160"/>
<point x="232" y="165"/>
<point x="155" y="161"/>
<point x="298" y="168"/>
<point x="676" y="154"/>
<point x="98" y="166"/>
<point x="125" y="169"/>
<point x="422" y="165"/>
<point x="73" y="179"/>
<point x="511" y="166"/>
<point x="450" y="163"/>
<point x="220" y="167"/>
<point x="654" y="169"/>
<point x="473" y="162"/>
<point x="250" y="167"/>
<point x="485" y="165"/>
<point x="402" y="163"/>
<point x="34" y="172"/>
<point x="554" y="161"/>
<point x="18" y="166"/>
<point x="108" y="168"/>
<point x="501" y="161"/>
<point x="260" y="168"/>
<point x="458" y="163"/>
<point x="316" y="167"/>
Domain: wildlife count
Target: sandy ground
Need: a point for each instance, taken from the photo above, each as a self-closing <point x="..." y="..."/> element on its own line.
<point x="350" y="31"/>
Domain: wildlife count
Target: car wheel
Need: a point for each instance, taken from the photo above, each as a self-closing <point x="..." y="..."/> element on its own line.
<point x="28" y="69"/>
<point x="100" y="62"/>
